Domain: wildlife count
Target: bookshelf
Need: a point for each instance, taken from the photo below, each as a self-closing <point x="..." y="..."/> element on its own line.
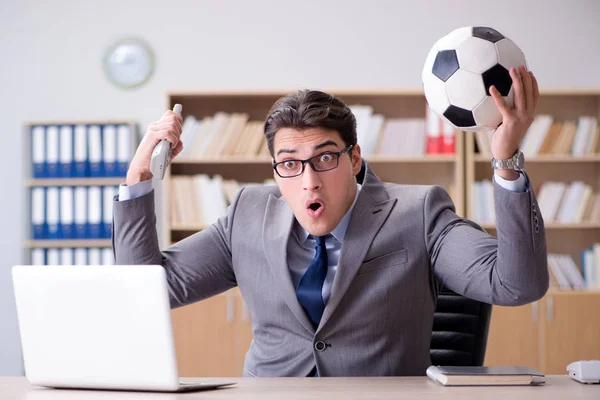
<point x="61" y="156"/>
<point x="563" y="326"/>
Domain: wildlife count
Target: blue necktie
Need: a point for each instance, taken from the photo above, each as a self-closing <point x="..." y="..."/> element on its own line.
<point x="310" y="288"/>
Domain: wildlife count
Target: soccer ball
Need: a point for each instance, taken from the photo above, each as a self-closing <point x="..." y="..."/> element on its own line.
<point x="458" y="73"/>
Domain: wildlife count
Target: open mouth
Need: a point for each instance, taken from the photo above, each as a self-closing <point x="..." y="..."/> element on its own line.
<point x="315" y="208"/>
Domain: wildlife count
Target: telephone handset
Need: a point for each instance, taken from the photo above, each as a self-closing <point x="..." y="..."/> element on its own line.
<point x="161" y="156"/>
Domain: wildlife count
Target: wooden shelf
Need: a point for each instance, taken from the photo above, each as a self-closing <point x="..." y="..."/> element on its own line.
<point x="282" y="91"/>
<point x="571" y="292"/>
<point x="31" y="244"/>
<point x="370" y="91"/>
<point x="81" y="122"/>
<point x="104" y="181"/>
<point x="548" y="159"/>
<point x="267" y="160"/>
<point x="556" y="226"/>
<point x="188" y="228"/>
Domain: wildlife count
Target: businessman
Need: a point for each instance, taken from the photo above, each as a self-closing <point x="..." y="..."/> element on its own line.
<point x="340" y="271"/>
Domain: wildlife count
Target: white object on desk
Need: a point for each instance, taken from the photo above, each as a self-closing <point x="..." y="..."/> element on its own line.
<point x="98" y="327"/>
<point x="585" y="371"/>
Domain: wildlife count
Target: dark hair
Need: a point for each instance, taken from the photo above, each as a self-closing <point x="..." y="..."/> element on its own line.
<point x="310" y="109"/>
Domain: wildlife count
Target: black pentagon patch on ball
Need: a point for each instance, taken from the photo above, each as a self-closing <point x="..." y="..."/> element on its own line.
<point x="459" y="116"/>
<point x="499" y="77"/>
<point x="486" y="33"/>
<point x="445" y="64"/>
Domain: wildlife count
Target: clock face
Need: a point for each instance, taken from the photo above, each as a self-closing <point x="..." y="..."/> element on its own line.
<point x="129" y="63"/>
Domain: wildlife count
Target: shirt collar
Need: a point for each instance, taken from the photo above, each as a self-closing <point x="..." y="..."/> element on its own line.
<point x="340" y="230"/>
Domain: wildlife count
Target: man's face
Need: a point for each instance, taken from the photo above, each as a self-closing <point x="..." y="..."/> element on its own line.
<point x="319" y="200"/>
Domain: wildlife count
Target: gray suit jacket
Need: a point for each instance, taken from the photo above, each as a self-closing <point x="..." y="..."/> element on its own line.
<point x="402" y="243"/>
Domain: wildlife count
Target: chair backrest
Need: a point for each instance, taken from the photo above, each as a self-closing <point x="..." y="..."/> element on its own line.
<point x="460" y="330"/>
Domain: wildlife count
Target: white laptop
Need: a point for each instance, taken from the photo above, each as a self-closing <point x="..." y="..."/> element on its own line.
<point x="98" y="327"/>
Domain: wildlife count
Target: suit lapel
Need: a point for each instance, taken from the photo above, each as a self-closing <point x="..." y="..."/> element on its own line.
<point x="370" y="212"/>
<point x="277" y="228"/>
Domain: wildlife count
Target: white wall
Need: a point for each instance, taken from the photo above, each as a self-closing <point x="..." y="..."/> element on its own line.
<point x="51" y="54"/>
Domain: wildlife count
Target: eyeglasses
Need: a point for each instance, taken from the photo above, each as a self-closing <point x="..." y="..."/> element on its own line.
<point x="319" y="163"/>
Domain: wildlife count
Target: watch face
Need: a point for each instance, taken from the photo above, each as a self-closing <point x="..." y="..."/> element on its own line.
<point x="129" y="63"/>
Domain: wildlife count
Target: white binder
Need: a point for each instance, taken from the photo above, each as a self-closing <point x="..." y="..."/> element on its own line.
<point x="81" y="231"/>
<point x="67" y="256"/>
<point x="66" y="212"/>
<point x="124" y="148"/>
<point x="94" y="256"/>
<point x="52" y="142"/>
<point x="66" y="151"/>
<point x="38" y="256"/>
<point x="38" y="213"/>
<point x="94" y="212"/>
<point x="95" y="150"/>
<point x="80" y="254"/>
<point x="108" y="194"/>
<point x="52" y="212"/>
<point x="109" y="141"/>
<point x="80" y="153"/>
<point x="108" y="257"/>
<point x="38" y="151"/>
<point x="53" y="256"/>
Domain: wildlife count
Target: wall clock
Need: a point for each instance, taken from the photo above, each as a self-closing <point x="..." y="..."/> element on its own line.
<point x="129" y="63"/>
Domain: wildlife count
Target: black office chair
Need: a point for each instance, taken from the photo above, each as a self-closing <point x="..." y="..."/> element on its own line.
<point x="460" y="330"/>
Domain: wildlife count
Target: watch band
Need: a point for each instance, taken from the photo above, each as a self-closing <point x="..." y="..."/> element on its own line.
<point x="514" y="163"/>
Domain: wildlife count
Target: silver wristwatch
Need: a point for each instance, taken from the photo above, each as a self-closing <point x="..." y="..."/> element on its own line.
<point x="516" y="162"/>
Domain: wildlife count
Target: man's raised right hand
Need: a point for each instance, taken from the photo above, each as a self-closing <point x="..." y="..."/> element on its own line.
<point x="168" y="127"/>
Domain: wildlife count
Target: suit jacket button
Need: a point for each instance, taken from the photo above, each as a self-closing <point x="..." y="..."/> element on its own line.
<point x="320" y="345"/>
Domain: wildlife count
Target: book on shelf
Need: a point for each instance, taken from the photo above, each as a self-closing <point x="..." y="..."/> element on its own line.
<point x="570" y="203"/>
<point x="563" y="272"/>
<point x="234" y="134"/>
<point x="559" y="202"/>
<point x="198" y="201"/>
<point x="566" y="275"/>
<point x="547" y="136"/>
<point x="590" y="261"/>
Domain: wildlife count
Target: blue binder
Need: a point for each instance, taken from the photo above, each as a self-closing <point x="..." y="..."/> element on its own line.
<point x="52" y="150"/>
<point x="94" y="212"/>
<point x="38" y="213"/>
<point x="80" y="216"/>
<point x="80" y="152"/>
<point x="95" y="151"/>
<point x="38" y="151"/>
<point x="53" y="212"/>
<point x="124" y="148"/>
<point x="109" y="150"/>
<point x="108" y="194"/>
<point x="67" y="227"/>
<point x="66" y="151"/>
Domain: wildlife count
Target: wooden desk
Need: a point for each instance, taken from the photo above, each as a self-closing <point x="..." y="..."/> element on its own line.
<point x="556" y="387"/>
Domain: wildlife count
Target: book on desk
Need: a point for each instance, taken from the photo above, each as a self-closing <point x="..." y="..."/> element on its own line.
<point x="484" y="376"/>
